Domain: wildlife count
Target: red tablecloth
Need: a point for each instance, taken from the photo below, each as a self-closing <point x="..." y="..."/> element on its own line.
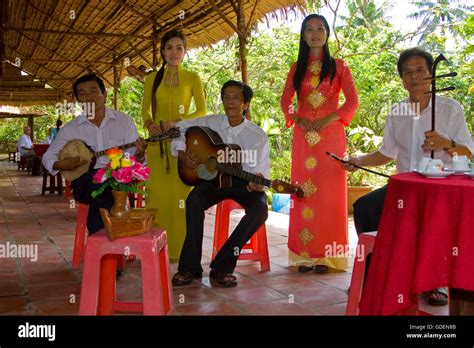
<point x="40" y="149"/>
<point x="425" y="241"/>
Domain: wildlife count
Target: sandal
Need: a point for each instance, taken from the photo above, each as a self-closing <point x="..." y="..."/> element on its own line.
<point x="321" y="269"/>
<point x="305" y="269"/>
<point x="223" y="279"/>
<point x="185" y="278"/>
<point x="433" y="300"/>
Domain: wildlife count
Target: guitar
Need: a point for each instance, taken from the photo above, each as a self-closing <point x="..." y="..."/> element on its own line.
<point x="208" y="146"/>
<point x="79" y="148"/>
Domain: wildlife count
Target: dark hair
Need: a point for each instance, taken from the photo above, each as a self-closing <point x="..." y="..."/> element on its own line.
<point x="329" y="64"/>
<point x="168" y="36"/>
<point x="414" y="52"/>
<point x="247" y="92"/>
<point x="59" y="123"/>
<point x="88" y="77"/>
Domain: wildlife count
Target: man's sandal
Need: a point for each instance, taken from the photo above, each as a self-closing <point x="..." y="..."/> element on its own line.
<point x="185" y="278"/>
<point x="305" y="269"/>
<point x="433" y="300"/>
<point x="321" y="269"/>
<point x="223" y="279"/>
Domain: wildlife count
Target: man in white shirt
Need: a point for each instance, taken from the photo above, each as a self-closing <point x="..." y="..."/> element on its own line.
<point x="25" y="145"/>
<point x="102" y="129"/>
<point x="408" y="137"/>
<point x="234" y="128"/>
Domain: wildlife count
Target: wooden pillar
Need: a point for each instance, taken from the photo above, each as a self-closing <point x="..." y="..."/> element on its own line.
<point x="242" y="34"/>
<point x="31" y="124"/>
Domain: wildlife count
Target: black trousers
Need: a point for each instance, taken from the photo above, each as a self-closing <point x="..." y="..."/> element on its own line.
<point x="82" y="188"/>
<point x="205" y="195"/>
<point x="368" y="210"/>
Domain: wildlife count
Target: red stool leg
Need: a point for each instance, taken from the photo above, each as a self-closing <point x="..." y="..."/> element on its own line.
<point x="263" y="248"/>
<point x="90" y="285"/>
<point x="139" y="200"/>
<point x="217" y="230"/>
<point x="45" y="181"/>
<point x="79" y="240"/>
<point x="108" y="269"/>
<point x="165" y="279"/>
<point x="366" y="243"/>
<point x="67" y="190"/>
<point x="152" y="289"/>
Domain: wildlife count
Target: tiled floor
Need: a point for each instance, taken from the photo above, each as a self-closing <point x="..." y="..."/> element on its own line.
<point x="49" y="286"/>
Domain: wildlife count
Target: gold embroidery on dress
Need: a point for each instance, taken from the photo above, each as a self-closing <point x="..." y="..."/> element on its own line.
<point x="305" y="255"/>
<point x="315" y="67"/>
<point x="315" y="81"/>
<point x="307" y="213"/>
<point x="312" y="138"/>
<point x="311" y="163"/>
<point x="305" y="236"/>
<point x="315" y="99"/>
<point x="308" y="188"/>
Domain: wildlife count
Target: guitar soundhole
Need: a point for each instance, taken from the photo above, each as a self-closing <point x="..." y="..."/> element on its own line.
<point x="211" y="163"/>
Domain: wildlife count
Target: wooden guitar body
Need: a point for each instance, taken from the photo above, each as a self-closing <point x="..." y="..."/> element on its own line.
<point x="206" y="145"/>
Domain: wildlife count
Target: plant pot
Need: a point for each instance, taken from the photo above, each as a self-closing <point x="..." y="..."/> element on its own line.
<point x="354" y="193"/>
<point x="121" y="209"/>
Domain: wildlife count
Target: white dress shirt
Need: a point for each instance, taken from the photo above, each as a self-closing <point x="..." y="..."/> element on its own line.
<point x="116" y="129"/>
<point x="24" y="141"/>
<point x="405" y="132"/>
<point x="247" y="135"/>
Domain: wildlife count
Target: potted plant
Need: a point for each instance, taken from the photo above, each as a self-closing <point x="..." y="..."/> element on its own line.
<point x="123" y="174"/>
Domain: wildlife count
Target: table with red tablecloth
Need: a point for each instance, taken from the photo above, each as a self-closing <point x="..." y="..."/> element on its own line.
<point x="425" y="241"/>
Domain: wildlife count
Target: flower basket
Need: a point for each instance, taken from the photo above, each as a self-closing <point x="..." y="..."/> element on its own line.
<point x="139" y="222"/>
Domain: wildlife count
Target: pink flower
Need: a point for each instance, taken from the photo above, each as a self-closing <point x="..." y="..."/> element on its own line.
<point x="140" y="171"/>
<point x="123" y="175"/>
<point x="100" y="176"/>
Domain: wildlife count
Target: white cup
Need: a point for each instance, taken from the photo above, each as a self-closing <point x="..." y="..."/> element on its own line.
<point x="460" y="163"/>
<point x="423" y="164"/>
<point x="435" y="166"/>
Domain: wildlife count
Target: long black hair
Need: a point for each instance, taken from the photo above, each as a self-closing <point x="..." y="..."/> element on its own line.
<point x="168" y="36"/>
<point x="329" y="64"/>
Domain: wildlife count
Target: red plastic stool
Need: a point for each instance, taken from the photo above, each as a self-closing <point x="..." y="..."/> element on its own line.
<point x="80" y="239"/>
<point x="258" y="243"/>
<point x="366" y="244"/>
<point x="67" y="190"/>
<point x="98" y="279"/>
<point x="136" y="199"/>
<point x="55" y="183"/>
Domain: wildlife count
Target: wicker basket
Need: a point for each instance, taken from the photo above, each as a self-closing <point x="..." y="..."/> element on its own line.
<point x="139" y="222"/>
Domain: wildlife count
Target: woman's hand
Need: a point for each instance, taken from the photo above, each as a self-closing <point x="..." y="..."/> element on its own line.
<point x="303" y="123"/>
<point x="153" y="128"/>
<point x="321" y="123"/>
<point x="170" y="124"/>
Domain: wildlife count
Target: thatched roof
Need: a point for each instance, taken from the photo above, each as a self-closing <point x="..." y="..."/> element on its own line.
<point x="58" y="41"/>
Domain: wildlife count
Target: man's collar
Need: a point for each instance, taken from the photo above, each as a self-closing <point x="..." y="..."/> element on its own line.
<point x="109" y="114"/>
<point x="227" y="124"/>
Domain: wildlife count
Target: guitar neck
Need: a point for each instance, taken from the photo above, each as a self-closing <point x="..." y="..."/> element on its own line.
<point x="129" y="145"/>
<point x="242" y="174"/>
